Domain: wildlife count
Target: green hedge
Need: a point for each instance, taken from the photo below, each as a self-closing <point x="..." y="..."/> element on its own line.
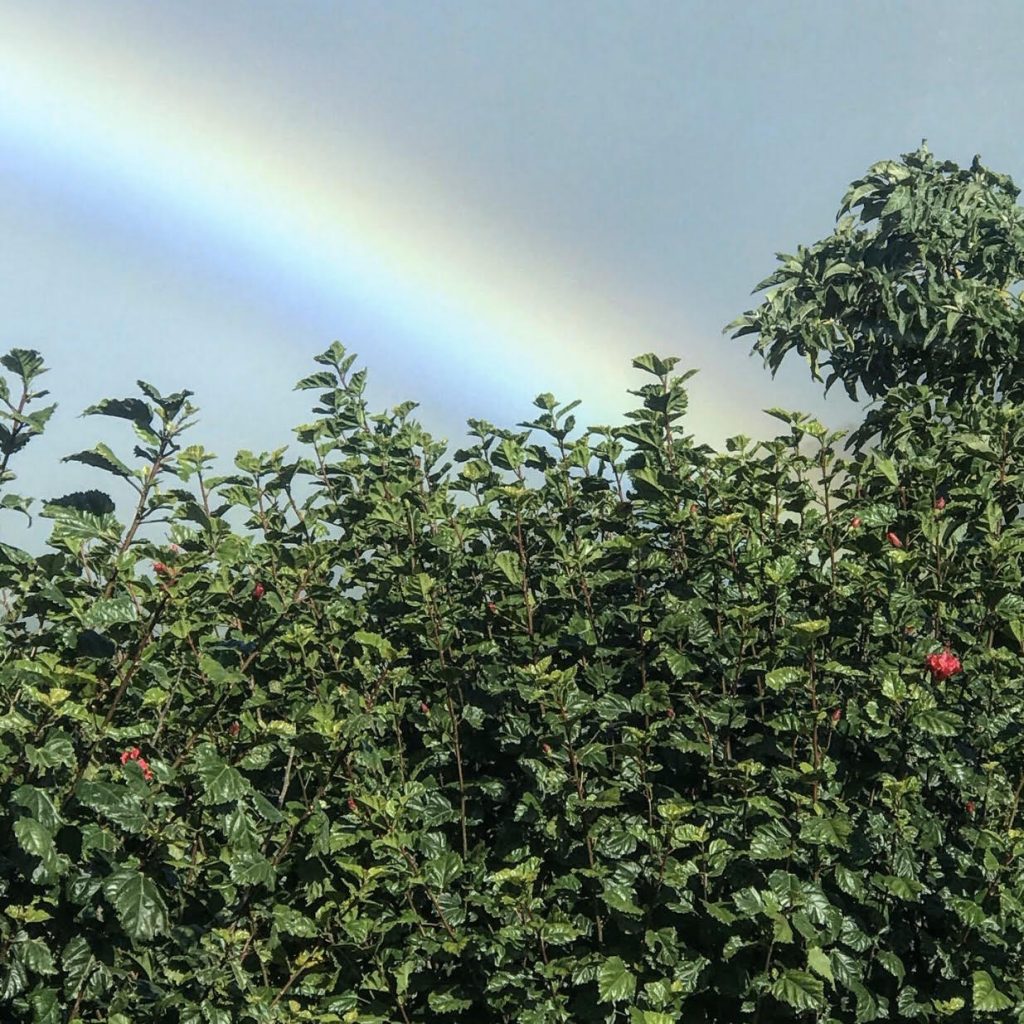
<point x="604" y="726"/>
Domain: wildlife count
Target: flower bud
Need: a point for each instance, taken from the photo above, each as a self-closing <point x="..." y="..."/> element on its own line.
<point x="352" y="805"/>
<point x="671" y="713"/>
<point x="940" y="503"/>
<point x="970" y="806"/>
<point x="893" y="539"/>
<point x="159" y="568"/>
<point x="546" y="748"/>
<point x="492" y="607"/>
<point x="837" y="714"/>
<point x="234" y="728"/>
<point x="855" y="522"/>
<point x="424" y="707"/>
<point x="258" y="591"/>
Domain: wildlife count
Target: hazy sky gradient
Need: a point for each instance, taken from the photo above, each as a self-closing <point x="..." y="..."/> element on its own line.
<point x="484" y="200"/>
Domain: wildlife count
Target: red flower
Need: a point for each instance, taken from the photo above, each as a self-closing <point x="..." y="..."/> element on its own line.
<point x="546" y="748"/>
<point x="424" y="707"/>
<point x="836" y="715"/>
<point x="855" y="522"/>
<point x="893" y="539"/>
<point x="671" y="712"/>
<point x="258" y="591"/>
<point x="970" y="806"/>
<point x="234" y="728"/>
<point x="943" y="665"/>
<point x="159" y="568"/>
<point x="940" y="503"/>
<point x="352" y="805"/>
<point x="134" y="754"/>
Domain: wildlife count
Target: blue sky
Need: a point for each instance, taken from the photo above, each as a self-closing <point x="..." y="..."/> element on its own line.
<point x="484" y="200"/>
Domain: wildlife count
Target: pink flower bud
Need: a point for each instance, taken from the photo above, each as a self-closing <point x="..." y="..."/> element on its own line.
<point x="940" y="503"/>
<point x="258" y="591"/>
<point x="855" y="522"/>
<point x="352" y="805"/>
<point x="424" y="707"/>
<point x="546" y="748"/>
<point x="893" y="539"/>
<point x="970" y="806"/>
<point x="234" y="728"/>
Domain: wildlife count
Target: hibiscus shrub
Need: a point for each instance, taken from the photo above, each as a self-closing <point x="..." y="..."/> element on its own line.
<point x="605" y="726"/>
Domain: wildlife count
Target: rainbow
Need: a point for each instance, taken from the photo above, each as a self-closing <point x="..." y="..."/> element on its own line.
<point x="462" y="301"/>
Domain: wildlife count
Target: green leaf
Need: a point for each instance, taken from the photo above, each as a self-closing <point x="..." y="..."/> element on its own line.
<point x="116" y="802"/>
<point x="46" y="1008"/>
<point x="779" y="678"/>
<point x="123" y="408"/>
<point x="439" y="872"/>
<point x="888" y="468"/>
<point x="508" y="563"/>
<point x="655" y="364"/>
<point x="832" y="831"/>
<point x="812" y="628"/>
<point x="903" y="888"/>
<point x="615" y="982"/>
<point x="25" y="363"/>
<point x="33" y="838"/>
<point x="108" y="611"/>
<point x="221" y="782"/>
<point x="651" y="1017"/>
<point x="39" y="804"/>
<point x="136" y="899"/>
<point x="250" y="867"/>
<point x="38" y="842"/>
<point x="57" y="750"/>
<point x="818" y="961"/>
<point x="987" y="998"/>
<point x="938" y="723"/>
<point x="800" y="990"/>
<point x="101" y="457"/>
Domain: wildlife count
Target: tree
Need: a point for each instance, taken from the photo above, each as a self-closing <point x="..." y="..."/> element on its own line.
<point x="920" y="279"/>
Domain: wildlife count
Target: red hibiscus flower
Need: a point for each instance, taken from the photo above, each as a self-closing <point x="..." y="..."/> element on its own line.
<point x="134" y="754"/>
<point x="943" y="665"/>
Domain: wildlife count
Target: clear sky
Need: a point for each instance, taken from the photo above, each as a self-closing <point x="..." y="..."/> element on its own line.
<point x="485" y="200"/>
